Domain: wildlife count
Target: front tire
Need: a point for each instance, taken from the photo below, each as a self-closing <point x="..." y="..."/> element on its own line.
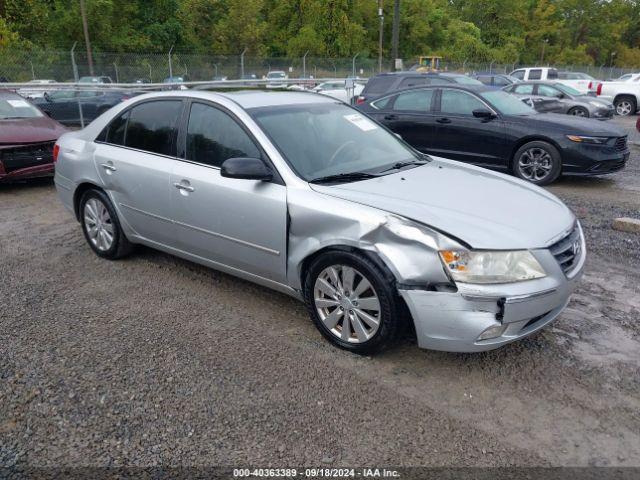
<point x="537" y="162"/>
<point x="579" y="112"/>
<point x="353" y="302"/>
<point x="101" y="227"/>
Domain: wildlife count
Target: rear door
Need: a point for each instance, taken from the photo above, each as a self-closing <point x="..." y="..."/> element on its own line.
<point x="237" y="223"/>
<point x="410" y="114"/>
<point x="134" y="157"/>
<point x="461" y="136"/>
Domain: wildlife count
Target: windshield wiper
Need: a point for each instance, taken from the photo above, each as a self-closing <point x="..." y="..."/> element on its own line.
<point x="344" y="177"/>
<point x="399" y="165"/>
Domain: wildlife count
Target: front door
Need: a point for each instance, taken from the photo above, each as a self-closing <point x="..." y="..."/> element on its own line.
<point x="461" y="136"/>
<point x="241" y="224"/>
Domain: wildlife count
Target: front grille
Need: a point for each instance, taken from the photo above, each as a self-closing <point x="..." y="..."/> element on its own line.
<point x="567" y="250"/>
<point x="620" y="144"/>
<point x="24" y="156"/>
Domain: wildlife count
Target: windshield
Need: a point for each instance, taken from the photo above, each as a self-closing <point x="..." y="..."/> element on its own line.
<point x="567" y="89"/>
<point x="17" y="108"/>
<point x="276" y="75"/>
<point x="507" y="103"/>
<point x="322" y="139"/>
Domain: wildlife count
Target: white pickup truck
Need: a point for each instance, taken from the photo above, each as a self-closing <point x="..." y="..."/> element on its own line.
<point x="625" y="95"/>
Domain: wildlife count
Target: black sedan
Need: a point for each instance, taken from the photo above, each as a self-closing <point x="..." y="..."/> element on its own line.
<point x="494" y="129"/>
<point x="64" y="105"/>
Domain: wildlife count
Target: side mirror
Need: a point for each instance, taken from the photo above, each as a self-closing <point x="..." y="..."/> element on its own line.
<point x="484" y="113"/>
<point x="246" y="169"/>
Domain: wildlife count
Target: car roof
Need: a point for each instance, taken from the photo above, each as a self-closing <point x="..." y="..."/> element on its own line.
<point x="252" y="98"/>
<point x="455" y="86"/>
<point x="405" y="73"/>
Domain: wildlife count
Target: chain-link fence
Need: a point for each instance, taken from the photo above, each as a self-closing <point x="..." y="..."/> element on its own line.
<point x="20" y="66"/>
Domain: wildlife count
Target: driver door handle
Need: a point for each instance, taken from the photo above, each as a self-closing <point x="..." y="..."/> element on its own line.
<point x="181" y="186"/>
<point x="108" y="166"/>
<point x="443" y="120"/>
<point x="391" y="117"/>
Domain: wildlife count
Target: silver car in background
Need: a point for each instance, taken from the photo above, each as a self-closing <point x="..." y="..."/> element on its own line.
<point x="303" y="194"/>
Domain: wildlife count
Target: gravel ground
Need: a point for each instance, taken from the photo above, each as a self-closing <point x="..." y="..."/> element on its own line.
<point x="157" y="361"/>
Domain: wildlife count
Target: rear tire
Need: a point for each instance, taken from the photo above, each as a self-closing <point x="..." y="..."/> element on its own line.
<point x="101" y="226"/>
<point x="346" y="290"/>
<point x="625" y="105"/>
<point x="537" y="162"/>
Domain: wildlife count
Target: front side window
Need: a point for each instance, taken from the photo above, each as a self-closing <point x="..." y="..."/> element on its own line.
<point x="152" y="126"/>
<point x="524" y="89"/>
<point x="519" y="74"/>
<point x="458" y="102"/>
<point x="416" y="101"/>
<point x="500" y="81"/>
<point x="485" y="79"/>
<point x="535" y="74"/>
<point x="213" y="137"/>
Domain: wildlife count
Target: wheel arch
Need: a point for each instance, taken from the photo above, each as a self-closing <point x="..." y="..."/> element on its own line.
<point x="632" y="96"/>
<point x="303" y="266"/>
<point x="532" y="138"/>
<point x="79" y="191"/>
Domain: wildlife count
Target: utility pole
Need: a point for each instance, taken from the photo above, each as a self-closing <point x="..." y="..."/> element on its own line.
<point x="85" y="29"/>
<point x="544" y="44"/>
<point x="380" y="35"/>
<point x="395" y="33"/>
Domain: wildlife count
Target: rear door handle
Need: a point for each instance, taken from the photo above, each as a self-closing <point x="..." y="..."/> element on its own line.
<point x="108" y="166"/>
<point x="443" y="120"/>
<point x="182" y="186"/>
<point x="391" y="117"/>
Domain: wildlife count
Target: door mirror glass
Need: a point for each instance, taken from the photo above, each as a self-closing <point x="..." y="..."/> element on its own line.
<point x="246" y="169"/>
<point x="483" y="113"/>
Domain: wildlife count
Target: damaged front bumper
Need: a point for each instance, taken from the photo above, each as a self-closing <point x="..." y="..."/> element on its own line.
<point x="477" y="318"/>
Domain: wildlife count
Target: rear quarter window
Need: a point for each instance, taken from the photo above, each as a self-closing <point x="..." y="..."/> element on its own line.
<point x="379" y="84"/>
<point x="535" y="74"/>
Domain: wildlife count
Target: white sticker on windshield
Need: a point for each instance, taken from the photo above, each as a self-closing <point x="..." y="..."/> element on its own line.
<point x="361" y="122"/>
<point x="18" y="103"/>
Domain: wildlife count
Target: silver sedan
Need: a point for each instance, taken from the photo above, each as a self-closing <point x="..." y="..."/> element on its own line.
<point x="303" y="194"/>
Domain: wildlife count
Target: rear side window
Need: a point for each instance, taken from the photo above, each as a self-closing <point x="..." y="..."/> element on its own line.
<point x="379" y="84"/>
<point x="412" y="82"/>
<point x="416" y="101"/>
<point x="500" y="81"/>
<point x="519" y="74"/>
<point x="552" y="74"/>
<point x="213" y="137"/>
<point x="152" y="126"/>
<point x="115" y="132"/>
<point x="535" y="74"/>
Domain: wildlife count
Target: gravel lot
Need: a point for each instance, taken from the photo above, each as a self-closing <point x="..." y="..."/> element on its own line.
<point x="157" y="361"/>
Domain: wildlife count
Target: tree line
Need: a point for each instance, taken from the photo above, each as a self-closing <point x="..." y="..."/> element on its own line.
<point x="580" y="32"/>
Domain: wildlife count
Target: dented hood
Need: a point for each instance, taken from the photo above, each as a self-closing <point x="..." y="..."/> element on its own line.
<point x="487" y="210"/>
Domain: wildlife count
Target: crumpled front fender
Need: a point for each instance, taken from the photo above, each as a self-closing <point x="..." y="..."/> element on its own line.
<point x="318" y="221"/>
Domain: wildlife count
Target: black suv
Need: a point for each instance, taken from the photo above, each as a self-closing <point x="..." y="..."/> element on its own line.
<point x="384" y="83"/>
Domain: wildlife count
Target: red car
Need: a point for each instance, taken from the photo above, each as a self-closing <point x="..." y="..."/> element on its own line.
<point x="27" y="137"/>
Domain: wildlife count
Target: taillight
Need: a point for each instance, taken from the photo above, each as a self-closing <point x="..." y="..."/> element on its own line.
<point x="590" y="85"/>
<point x="360" y="100"/>
<point x="599" y="89"/>
<point x="56" y="150"/>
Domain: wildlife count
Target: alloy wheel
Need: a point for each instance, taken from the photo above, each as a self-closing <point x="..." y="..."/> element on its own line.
<point x="579" y="112"/>
<point x="347" y="303"/>
<point x="98" y="224"/>
<point x="535" y="164"/>
<point x="623" y="108"/>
